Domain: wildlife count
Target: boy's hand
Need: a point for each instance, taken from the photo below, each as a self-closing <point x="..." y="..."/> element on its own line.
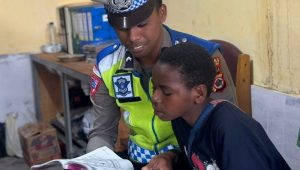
<point x="162" y="161"/>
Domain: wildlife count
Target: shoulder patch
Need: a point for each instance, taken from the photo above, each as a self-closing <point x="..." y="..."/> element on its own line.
<point x="219" y="82"/>
<point x="95" y="83"/>
<point x="107" y="50"/>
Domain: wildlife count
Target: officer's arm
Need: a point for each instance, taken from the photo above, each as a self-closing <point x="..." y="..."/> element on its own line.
<point x="224" y="87"/>
<point x="106" y="117"/>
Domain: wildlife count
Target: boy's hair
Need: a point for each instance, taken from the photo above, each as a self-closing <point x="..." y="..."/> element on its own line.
<point x="158" y="4"/>
<point x="193" y="62"/>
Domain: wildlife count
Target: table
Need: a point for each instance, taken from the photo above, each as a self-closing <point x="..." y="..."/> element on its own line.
<point x="50" y="76"/>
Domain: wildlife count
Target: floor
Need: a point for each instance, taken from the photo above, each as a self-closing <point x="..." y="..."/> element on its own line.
<point x="13" y="163"/>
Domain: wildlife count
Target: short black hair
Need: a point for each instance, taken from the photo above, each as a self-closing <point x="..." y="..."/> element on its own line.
<point x="158" y="4"/>
<point x="193" y="62"/>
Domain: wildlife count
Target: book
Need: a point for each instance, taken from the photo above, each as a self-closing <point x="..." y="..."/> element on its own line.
<point x="100" y="159"/>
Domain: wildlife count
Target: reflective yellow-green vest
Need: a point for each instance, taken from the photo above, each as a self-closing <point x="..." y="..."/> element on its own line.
<point x="148" y="134"/>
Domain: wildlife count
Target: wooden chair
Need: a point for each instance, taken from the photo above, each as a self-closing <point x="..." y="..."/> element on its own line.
<point x="239" y="65"/>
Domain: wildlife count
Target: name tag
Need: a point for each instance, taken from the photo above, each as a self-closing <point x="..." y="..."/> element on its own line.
<point x="123" y="86"/>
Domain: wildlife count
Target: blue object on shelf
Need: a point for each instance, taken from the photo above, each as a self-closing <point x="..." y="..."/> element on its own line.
<point x="85" y="24"/>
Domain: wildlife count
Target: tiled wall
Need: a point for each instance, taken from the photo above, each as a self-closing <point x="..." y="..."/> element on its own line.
<point x="279" y="114"/>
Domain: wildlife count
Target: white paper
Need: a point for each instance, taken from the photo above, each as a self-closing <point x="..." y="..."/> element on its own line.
<point x="100" y="159"/>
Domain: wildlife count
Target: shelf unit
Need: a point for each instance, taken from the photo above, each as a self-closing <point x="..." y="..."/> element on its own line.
<point x="50" y="79"/>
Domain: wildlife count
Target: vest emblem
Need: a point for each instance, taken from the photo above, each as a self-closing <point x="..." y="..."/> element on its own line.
<point x="123" y="86"/>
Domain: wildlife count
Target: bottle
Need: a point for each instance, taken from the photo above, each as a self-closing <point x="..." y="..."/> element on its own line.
<point x="53" y="46"/>
<point x="52" y="33"/>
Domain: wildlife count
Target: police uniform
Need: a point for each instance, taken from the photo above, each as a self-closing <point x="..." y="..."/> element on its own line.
<point x="118" y="81"/>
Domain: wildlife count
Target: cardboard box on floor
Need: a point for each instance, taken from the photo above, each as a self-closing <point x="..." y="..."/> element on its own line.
<point x="39" y="143"/>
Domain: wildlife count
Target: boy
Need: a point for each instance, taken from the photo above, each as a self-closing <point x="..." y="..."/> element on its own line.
<point x="214" y="134"/>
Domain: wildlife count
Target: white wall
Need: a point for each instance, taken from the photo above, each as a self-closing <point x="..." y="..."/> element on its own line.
<point x="16" y="89"/>
<point x="279" y="114"/>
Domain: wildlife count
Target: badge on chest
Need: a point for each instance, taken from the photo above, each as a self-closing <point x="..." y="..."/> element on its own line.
<point x="123" y="86"/>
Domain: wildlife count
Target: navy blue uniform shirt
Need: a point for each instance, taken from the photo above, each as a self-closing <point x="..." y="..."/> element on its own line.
<point x="228" y="140"/>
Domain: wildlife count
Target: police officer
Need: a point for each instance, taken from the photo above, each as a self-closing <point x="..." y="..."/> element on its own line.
<point x="122" y="79"/>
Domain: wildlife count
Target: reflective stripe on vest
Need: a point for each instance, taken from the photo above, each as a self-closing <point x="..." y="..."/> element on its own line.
<point x="141" y="155"/>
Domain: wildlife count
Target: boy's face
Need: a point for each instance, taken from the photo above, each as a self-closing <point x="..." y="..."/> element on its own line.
<point x="171" y="98"/>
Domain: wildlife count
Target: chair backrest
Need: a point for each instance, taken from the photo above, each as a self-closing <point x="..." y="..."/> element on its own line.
<point x="239" y="65"/>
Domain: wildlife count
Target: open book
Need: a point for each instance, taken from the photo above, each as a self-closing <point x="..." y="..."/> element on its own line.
<point x="100" y="159"/>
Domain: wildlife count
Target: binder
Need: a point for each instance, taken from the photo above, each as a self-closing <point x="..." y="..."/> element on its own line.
<point x="84" y="24"/>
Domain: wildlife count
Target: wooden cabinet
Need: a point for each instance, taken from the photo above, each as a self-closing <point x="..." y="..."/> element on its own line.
<point x="49" y="91"/>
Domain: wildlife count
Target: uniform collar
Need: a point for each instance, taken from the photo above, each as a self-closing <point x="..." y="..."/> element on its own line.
<point x="167" y="42"/>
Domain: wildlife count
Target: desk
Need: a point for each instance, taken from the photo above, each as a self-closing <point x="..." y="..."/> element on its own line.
<point x="50" y="78"/>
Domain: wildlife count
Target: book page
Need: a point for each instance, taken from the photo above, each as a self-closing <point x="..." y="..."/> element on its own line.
<point x="52" y="163"/>
<point x="105" y="158"/>
<point x="100" y="159"/>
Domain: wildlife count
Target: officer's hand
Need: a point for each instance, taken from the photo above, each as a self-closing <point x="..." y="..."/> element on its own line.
<point x="162" y="161"/>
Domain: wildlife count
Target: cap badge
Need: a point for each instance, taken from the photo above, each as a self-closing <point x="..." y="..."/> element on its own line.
<point x="120" y="4"/>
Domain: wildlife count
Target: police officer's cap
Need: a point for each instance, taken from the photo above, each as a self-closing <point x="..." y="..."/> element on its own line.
<point x="127" y="13"/>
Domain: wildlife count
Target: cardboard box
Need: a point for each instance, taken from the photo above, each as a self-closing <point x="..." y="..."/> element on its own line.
<point x="39" y="143"/>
